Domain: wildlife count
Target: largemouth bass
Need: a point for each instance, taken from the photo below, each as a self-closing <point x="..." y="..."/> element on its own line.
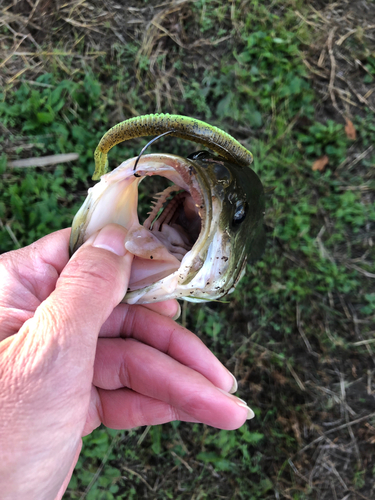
<point x="201" y="231"/>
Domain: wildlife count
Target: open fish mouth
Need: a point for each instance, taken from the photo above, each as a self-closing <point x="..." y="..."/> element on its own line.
<point x="171" y="246"/>
<point x="194" y="243"/>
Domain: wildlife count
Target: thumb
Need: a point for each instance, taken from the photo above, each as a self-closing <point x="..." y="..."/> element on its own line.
<point x="90" y="286"/>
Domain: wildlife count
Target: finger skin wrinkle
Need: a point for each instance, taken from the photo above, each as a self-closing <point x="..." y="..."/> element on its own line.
<point x="84" y="274"/>
<point x="124" y="374"/>
<point x="129" y="319"/>
<point x="169" y="341"/>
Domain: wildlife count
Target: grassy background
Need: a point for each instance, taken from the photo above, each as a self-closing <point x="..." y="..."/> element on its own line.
<point x="283" y="77"/>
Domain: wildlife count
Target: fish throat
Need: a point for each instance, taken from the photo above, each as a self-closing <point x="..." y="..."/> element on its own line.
<point x="174" y="220"/>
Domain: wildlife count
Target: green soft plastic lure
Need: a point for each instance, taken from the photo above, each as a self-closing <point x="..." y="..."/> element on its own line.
<point x="183" y="127"/>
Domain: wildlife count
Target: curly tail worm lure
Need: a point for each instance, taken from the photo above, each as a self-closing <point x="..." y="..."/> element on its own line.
<point x="183" y="127"/>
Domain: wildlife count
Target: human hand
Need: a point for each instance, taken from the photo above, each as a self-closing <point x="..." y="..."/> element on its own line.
<point x="71" y="358"/>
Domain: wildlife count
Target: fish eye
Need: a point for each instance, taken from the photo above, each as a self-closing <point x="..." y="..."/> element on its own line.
<point x="199" y="155"/>
<point x="240" y="212"/>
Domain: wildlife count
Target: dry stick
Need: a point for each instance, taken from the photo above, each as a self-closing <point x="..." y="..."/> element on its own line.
<point x="320" y="438"/>
<point x="302" y="333"/>
<point x="130" y="471"/>
<point x="82" y="25"/>
<point x="333" y="491"/>
<point x="21" y="72"/>
<point x="344" y="37"/>
<point x="369" y="94"/>
<point x="296" y="471"/>
<point x="296" y="377"/>
<point x="358" y="331"/>
<point x="333" y="68"/>
<point x="13" y="52"/>
<point x="351" y="32"/>
<point x="10" y="232"/>
<point x="182" y="461"/>
<point x="143" y="436"/>
<point x="33" y="10"/>
<point x="360" y="270"/>
<point x="357" y="160"/>
<point x="360" y="98"/>
<point x="100" y="468"/>
<point x="342" y="92"/>
<point x="316" y="72"/>
<point x="43" y="161"/>
<point x="350" y="430"/>
<point x="329" y="466"/>
<point x="364" y="342"/>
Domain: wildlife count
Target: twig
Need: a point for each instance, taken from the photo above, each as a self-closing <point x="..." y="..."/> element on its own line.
<point x="360" y="270"/>
<point x="364" y="342"/>
<point x="358" y="159"/>
<point x="329" y="466"/>
<point x="302" y="333"/>
<point x="333" y="68"/>
<point x="13" y="52"/>
<point x="182" y="461"/>
<point x="143" y="435"/>
<point x="358" y="331"/>
<point x="296" y="377"/>
<point x="342" y="39"/>
<point x="33" y="10"/>
<point x="43" y="161"/>
<point x="296" y="471"/>
<point x="339" y="428"/>
<point x="138" y="475"/>
<point x="11" y="234"/>
<point x="100" y="468"/>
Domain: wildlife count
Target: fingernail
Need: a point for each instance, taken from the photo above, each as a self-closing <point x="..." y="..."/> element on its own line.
<point x="234" y="387"/>
<point x="250" y="413"/>
<point x="178" y="313"/>
<point x="111" y="238"/>
<point x="239" y="402"/>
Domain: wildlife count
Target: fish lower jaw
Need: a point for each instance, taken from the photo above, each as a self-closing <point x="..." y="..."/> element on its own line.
<point x="209" y="282"/>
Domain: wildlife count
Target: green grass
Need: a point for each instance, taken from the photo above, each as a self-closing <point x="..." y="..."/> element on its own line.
<point x="292" y="327"/>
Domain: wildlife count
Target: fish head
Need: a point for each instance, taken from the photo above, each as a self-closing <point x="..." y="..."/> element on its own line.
<point x="199" y="235"/>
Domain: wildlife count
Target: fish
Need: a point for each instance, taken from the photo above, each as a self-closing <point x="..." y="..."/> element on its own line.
<point x="201" y="231"/>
